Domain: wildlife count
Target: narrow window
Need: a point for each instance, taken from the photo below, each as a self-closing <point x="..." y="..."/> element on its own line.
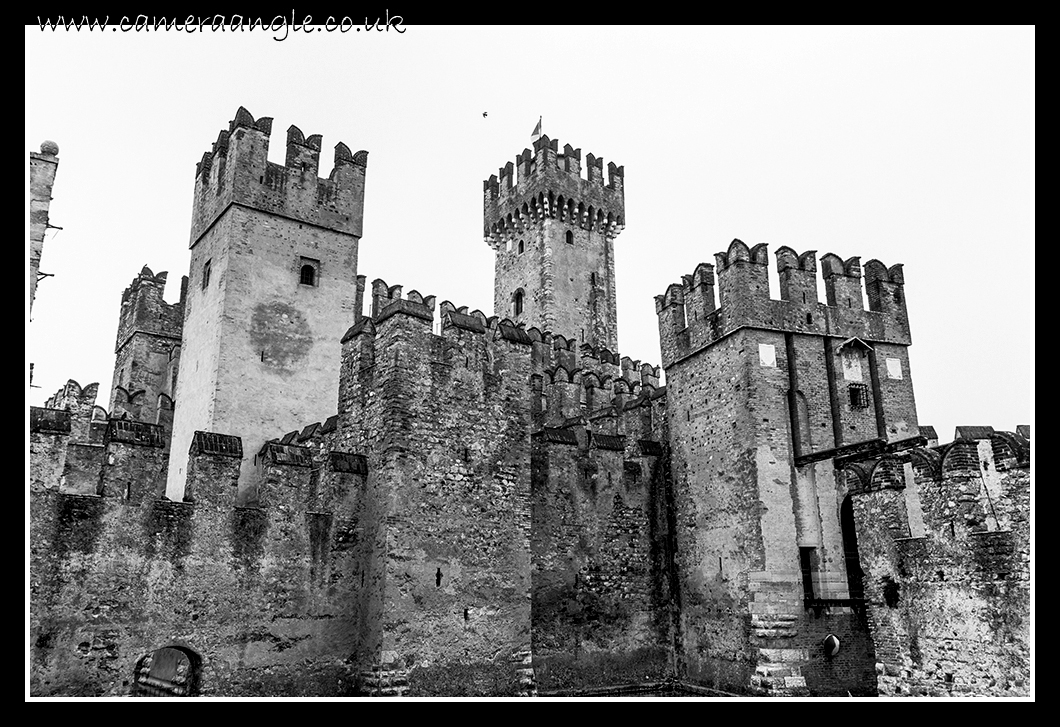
<point x="520" y="247"/>
<point x="806" y="561"/>
<point x="206" y="274"/>
<point x="891" y="592"/>
<point x="850" y="549"/>
<point x="570" y="237"/>
<point x="308" y="271"/>
<point x="518" y="302"/>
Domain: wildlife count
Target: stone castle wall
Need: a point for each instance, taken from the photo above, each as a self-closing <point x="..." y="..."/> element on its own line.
<point x="116" y="576"/>
<point x="944" y="540"/>
<point x="471" y="506"/>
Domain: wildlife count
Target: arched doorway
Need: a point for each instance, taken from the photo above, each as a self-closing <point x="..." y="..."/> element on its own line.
<point x="172" y="671"/>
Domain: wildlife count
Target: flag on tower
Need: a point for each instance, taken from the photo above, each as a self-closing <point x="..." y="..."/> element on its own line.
<point x="537" y="131"/>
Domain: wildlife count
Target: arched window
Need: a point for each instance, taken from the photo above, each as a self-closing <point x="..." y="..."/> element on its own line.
<point x="570" y="237"/>
<point x="171" y="671"/>
<point x="206" y="275"/>
<point x="308" y="271"/>
<point x="520" y="247"/>
<point x="517" y="302"/>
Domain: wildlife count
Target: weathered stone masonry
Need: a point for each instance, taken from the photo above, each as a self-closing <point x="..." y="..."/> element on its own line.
<point x="508" y="506"/>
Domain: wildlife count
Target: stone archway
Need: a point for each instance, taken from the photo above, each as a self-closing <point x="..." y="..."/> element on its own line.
<point x="172" y="671"/>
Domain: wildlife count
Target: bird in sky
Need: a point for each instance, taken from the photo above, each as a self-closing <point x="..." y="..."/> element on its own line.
<point x="483" y="114"/>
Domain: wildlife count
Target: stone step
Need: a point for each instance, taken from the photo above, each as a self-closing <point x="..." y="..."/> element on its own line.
<point x="779" y="686"/>
<point x="772" y="621"/>
<point x="774" y="670"/>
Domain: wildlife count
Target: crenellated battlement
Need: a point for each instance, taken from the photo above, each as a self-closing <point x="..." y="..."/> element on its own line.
<point x="595" y="378"/>
<point x="72" y="394"/>
<point x="546" y="184"/>
<point x="236" y="170"/>
<point x="691" y="316"/>
<point x="967" y="487"/>
<point x="144" y="309"/>
<point x="570" y="393"/>
<point x="387" y="300"/>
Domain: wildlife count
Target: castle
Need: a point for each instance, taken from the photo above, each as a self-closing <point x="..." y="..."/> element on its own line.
<point x="290" y="497"/>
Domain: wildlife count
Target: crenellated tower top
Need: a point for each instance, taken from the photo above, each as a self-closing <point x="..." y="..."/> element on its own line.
<point x="692" y="317"/>
<point x="144" y="309"/>
<point x="236" y="170"/>
<point x="546" y="182"/>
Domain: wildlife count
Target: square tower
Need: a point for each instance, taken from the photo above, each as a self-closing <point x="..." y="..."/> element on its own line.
<point x="553" y="233"/>
<point x="764" y="398"/>
<point x="273" y="286"/>
<point x="147" y="351"/>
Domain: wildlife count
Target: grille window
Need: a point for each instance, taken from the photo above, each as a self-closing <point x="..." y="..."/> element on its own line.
<point x="859" y="396"/>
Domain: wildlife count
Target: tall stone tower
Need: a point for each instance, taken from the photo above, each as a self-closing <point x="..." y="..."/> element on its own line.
<point x="766" y="397"/>
<point x="147" y="351"/>
<point x="273" y="287"/>
<point x="42" y="168"/>
<point x="553" y="232"/>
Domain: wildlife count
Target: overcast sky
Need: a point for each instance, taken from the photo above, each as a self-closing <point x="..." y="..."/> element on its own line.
<point x="907" y="145"/>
